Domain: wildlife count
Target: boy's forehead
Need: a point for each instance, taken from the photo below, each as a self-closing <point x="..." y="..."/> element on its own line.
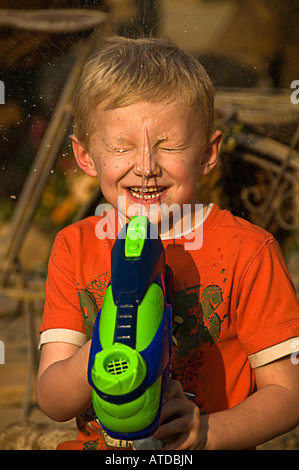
<point x="169" y="114"/>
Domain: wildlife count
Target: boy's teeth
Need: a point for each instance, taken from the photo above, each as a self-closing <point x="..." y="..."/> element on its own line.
<point x="146" y="193"/>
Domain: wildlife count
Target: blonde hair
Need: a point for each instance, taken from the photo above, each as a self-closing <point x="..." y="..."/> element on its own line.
<point x="125" y="71"/>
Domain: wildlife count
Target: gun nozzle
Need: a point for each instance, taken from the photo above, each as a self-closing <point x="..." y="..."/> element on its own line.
<point x="118" y="369"/>
<point x="117" y="366"/>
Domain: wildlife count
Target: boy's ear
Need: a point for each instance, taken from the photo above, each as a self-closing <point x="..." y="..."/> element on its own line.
<point x="83" y="159"/>
<point x="211" y="154"/>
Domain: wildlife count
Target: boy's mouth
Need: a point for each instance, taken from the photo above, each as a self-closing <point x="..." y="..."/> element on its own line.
<point x="148" y="193"/>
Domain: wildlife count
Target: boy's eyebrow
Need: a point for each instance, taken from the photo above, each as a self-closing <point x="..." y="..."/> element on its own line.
<point x="162" y="137"/>
<point x="121" y="139"/>
<point x="111" y="142"/>
<point x="124" y="140"/>
<point x="159" y="139"/>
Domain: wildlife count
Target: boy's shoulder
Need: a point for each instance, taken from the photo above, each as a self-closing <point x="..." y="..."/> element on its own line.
<point x="234" y="227"/>
<point x="226" y="219"/>
<point x="81" y="227"/>
<point x="89" y="226"/>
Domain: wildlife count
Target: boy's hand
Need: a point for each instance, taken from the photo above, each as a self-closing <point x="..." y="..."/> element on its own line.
<point x="180" y="426"/>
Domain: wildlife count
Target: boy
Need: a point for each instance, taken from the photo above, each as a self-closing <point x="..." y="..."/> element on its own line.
<point x="144" y="127"/>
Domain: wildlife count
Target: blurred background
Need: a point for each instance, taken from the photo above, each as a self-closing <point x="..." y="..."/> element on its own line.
<point x="250" y="50"/>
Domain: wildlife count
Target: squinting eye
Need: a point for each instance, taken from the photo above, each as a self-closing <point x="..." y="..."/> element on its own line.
<point x="174" y="149"/>
<point x="122" y="150"/>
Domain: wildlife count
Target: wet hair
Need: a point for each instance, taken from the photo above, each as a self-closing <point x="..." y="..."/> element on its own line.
<point x="125" y="71"/>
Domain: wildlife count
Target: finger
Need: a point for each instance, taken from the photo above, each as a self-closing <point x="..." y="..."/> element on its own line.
<point x="178" y="443"/>
<point x="181" y="436"/>
<point x="171" y="408"/>
<point x="173" y="390"/>
<point x="170" y="428"/>
<point x="174" y="406"/>
<point x="174" y="427"/>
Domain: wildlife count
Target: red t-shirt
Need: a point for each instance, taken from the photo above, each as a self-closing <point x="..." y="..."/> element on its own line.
<point x="232" y="299"/>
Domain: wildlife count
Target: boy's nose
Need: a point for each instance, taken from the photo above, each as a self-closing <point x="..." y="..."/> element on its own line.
<point x="146" y="165"/>
<point x="146" y="160"/>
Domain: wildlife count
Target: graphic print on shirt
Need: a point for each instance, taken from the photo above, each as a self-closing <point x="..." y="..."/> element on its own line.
<point x="91" y="299"/>
<point x="186" y="326"/>
<point x="195" y="321"/>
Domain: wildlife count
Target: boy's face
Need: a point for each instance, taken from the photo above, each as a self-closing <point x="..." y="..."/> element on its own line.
<point x="158" y="147"/>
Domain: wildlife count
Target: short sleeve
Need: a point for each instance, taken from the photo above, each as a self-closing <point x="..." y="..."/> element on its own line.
<point x="268" y="308"/>
<point x="62" y="307"/>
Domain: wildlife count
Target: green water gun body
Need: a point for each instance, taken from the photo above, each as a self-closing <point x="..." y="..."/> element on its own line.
<point x="131" y="345"/>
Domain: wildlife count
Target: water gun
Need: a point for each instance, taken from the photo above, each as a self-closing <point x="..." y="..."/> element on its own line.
<point x="129" y="361"/>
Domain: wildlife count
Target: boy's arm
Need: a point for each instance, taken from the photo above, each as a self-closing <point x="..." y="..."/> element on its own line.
<point x="270" y="412"/>
<point x="62" y="387"/>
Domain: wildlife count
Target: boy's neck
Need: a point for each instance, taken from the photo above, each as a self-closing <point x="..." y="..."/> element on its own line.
<point x="180" y="223"/>
<point x="185" y="222"/>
